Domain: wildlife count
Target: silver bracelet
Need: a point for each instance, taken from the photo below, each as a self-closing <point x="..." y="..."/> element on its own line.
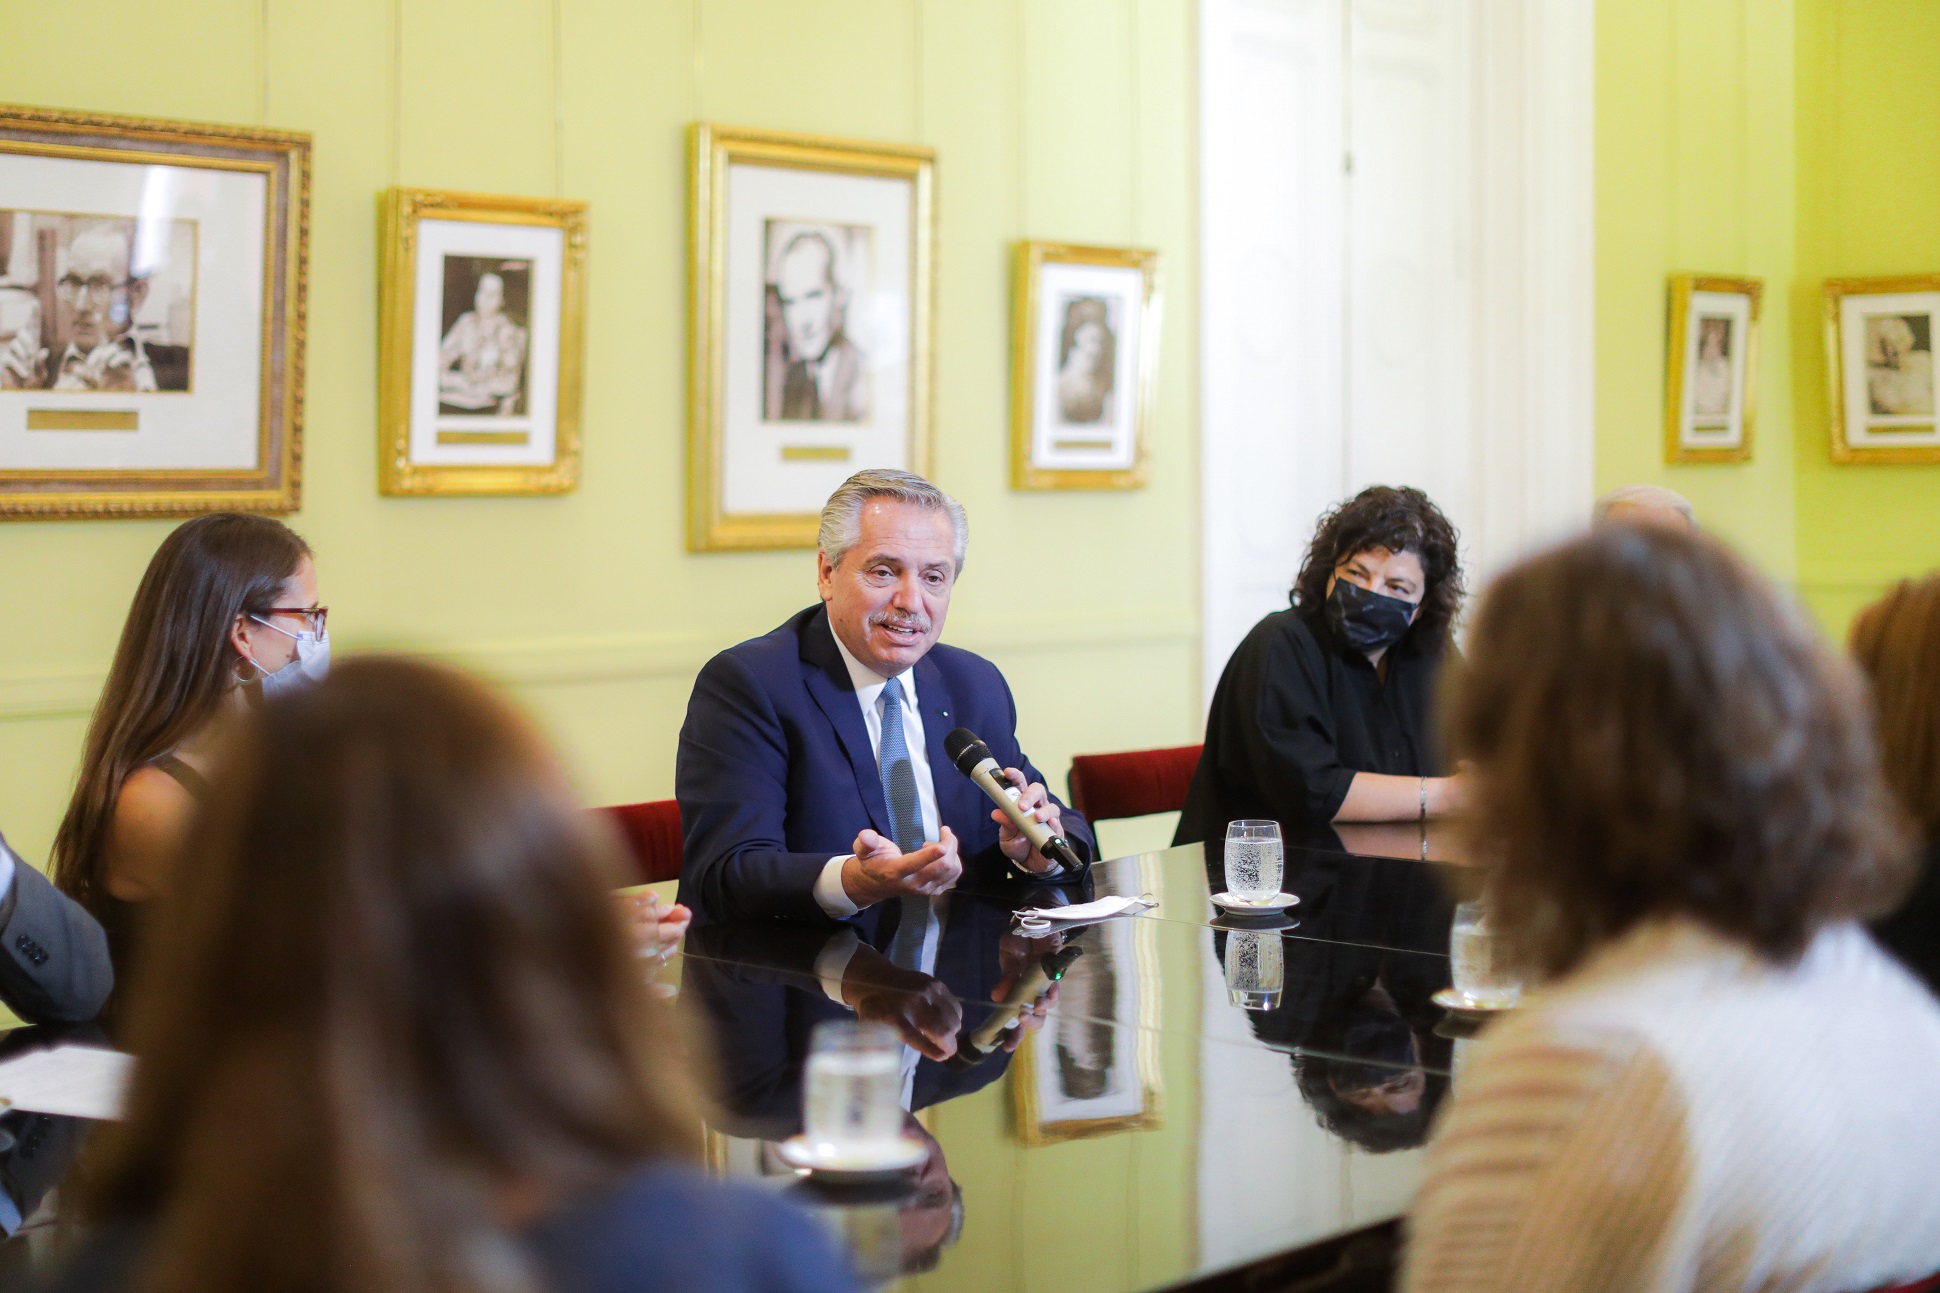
<point x="1424" y="801"/>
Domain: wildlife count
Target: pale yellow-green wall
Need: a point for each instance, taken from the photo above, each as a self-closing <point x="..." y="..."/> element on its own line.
<point x="1794" y="141"/>
<point x="1072" y="120"/>
<point x="1695" y="173"/>
<point x="1869" y="133"/>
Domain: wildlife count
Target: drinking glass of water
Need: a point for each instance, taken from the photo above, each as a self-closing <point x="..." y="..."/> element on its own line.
<point x="1477" y="960"/>
<point x="851" y="1096"/>
<point x="1255" y="968"/>
<point x="1255" y="859"/>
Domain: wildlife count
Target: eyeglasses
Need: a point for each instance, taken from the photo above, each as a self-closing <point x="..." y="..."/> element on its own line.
<point x="316" y="616"/>
<point x="99" y="290"/>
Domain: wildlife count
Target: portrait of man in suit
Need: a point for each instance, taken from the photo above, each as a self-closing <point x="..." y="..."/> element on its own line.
<point x="95" y="303"/>
<point x="813" y="370"/>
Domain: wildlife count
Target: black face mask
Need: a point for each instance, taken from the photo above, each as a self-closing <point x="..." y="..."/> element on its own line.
<point x="1367" y="621"/>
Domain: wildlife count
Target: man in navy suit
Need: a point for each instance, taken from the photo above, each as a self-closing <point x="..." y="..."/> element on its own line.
<point x="811" y="775"/>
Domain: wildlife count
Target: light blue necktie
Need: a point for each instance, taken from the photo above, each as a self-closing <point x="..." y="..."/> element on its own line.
<point x="898" y="773"/>
<point x="905" y="822"/>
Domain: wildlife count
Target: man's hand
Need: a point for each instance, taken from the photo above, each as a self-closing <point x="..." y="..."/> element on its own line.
<point x="880" y="870"/>
<point x="918" y="1006"/>
<point x="1034" y="799"/>
<point x="23" y="361"/>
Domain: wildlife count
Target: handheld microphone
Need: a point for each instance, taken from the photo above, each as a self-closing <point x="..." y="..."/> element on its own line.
<point x="976" y="1045"/>
<point x="974" y="760"/>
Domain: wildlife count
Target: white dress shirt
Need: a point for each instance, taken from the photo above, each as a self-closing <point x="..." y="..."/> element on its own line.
<point x="6" y="872"/>
<point x="829" y="893"/>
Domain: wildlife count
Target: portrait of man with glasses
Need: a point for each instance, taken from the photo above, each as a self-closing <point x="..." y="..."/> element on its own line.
<point x="119" y="294"/>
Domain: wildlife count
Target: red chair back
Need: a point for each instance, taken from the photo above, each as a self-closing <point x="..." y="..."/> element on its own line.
<point x="652" y="834"/>
<point x="1132" y="783"/>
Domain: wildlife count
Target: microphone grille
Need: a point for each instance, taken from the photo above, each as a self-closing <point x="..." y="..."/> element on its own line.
<point x="964" y="749"/>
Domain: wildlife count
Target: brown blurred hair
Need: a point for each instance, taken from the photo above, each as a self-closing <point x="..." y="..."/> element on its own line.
<point x="1401" y="520"/>
<point x="170" y="670"/>
<point x="1655" y="733"/>
<point x="395" y="989"/>
<point x="1896" y="641"/>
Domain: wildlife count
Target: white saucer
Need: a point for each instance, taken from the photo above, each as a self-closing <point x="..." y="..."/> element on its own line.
<point x="860" y="1163"/>
<point x="1225" y="901"/>
<point x="1449" y="999"/>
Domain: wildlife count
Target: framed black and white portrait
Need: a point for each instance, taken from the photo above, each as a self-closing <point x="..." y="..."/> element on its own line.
<point x="481" y="338"/>
<point x="1879" y="343"/>
<point x="810" y="282"/>
<point x="1711" y="368"/>
<point x="151" y="315"/>
<point x="1092" y="1069"/>
<point x="1084" y="347"/>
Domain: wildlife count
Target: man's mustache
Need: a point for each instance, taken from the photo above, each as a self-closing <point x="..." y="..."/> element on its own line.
<point x="891" y="620"/>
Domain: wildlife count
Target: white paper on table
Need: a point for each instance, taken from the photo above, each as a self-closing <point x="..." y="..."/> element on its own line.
<point x="1039" y="919"/>
<point x="74" y="1081"/>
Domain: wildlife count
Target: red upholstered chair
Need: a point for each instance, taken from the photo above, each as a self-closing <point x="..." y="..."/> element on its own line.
<point x="1132" y="784"/>
<point x="652" y="834"/>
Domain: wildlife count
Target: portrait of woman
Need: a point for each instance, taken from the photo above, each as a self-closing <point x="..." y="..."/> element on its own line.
<point x="481" y="362"/>
<point x="1711" y="382"/>
<point x="1087" y="362"/>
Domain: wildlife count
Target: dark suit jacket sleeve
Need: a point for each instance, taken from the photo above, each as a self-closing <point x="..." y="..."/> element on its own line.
<point x="53" y="956"/>
<point x="731" y="777"/>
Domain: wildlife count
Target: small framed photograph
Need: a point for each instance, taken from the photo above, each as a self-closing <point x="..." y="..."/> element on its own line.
<point x="809" y="289"/>
<point x="481" y="338"/>
<point x="1711" y="368"/>
<point x="1879" y="349"/>
<point x="1093" y="1068"/>
<point x="1084" y="347"/>
<point x="152" y="278"/>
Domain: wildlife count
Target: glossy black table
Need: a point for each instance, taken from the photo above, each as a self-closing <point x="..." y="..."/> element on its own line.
<point x="1150" y="1133"/>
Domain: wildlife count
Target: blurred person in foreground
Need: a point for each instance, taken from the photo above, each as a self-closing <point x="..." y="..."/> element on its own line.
<point x="1718" y="1081"/>
<point x="1896" y="641"/>
<point x="416" y="1052"/>
<point x="1323" y="713"/>
<point x="1645" y="505"/>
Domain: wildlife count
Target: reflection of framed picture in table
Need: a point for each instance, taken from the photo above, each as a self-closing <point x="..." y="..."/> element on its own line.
<point x="1084" y="346"/>
<point x="151" y="315"/>
<point x="809" y="288"/>
<point x="1092" y="1069"/>
<point x="1711" y="368"/>
<point x="1879" y="335"/>
<point x="481" y="337"/>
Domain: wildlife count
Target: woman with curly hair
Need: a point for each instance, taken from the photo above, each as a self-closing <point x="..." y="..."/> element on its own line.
<point x="1322" y="715"/>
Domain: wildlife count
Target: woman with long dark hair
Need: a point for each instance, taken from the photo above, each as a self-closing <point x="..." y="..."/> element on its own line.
<point x="414" y="1051"/>
<point x="1323" y="713"/>
<point x="1718" y="1081"/>
<point x="227" y="612"/>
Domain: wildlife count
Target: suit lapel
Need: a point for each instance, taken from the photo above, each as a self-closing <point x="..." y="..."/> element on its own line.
<point x="957" y="800"/>
<point x="828" y="682"/>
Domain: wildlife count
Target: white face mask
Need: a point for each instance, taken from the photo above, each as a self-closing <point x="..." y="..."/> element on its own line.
<point x="306" y="669"/>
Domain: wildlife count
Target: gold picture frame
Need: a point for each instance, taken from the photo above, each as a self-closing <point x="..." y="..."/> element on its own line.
<point x="497" y="409"/>
<point x="756" y="429"/>
<point x="1128" y="946"/>
<point x="1882" y="412"/>
<point x="169" y="382"/>
<point x="1711" y="369"/>
<point x="1069" y="430"/>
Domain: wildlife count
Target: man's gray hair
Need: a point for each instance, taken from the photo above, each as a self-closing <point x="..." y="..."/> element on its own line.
<point x="1646" y="496"/>
<point x="842" y="514"/>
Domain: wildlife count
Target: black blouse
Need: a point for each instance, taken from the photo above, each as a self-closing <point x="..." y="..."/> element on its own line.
<point x="1297" y="713"/>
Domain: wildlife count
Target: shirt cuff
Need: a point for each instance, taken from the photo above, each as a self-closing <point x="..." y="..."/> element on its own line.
<point x="833" y="963"/>
<point x="6" y="872"/>
<point x="830" y="896"/>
